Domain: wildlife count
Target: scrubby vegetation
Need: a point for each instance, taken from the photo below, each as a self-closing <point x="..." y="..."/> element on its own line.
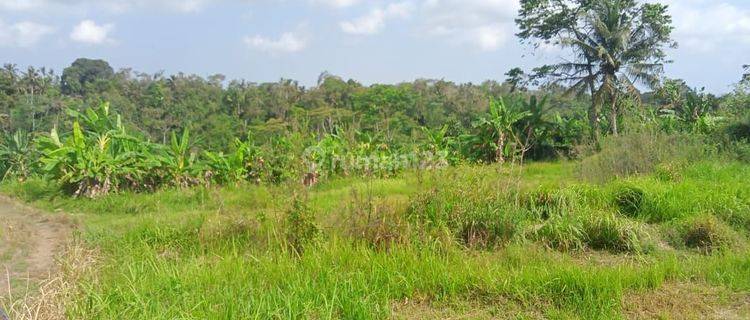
<point x="565" y="193"/>
<point x="353" y="248"/>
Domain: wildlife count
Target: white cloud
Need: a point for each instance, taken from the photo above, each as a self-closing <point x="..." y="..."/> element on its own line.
<point x="490" y="37"/>
<point x="87" y="31"/>
<point x="374" y="21"/>
<point x="486" y="24"/>
<point x="288" y="42"/>
<point x="336" y="3"/>
<point x="23" y="34"/>
<point x="116" y="6"/>
<point x="185" y="6"/>
<point x="20" y="5"/>
<point x="707" y="25"/>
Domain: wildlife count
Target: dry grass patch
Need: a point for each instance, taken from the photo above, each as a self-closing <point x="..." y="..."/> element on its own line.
<point x="686" y="301"/>
<point x="54" y="294"/>
<point x="497" y="308"/>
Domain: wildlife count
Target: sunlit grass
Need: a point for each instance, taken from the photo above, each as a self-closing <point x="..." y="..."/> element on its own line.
<point x="220" y="253"/>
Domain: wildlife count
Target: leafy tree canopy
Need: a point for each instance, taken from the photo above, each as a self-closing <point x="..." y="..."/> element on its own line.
<point x="83" y="72"/>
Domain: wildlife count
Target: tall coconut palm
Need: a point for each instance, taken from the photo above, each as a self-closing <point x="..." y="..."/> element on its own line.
<point x="617" y="45"/>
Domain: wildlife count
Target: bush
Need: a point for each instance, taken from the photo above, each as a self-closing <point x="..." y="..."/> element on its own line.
<point x="380" y="224"/>
<point x="300" y="226"/>
<point x="739" y="130"/>
<point x="564" y="233"/>
<point x="668" y="172"/>
<point x="607" y="232"/>
<point x="629" y="200"/>
<point x="705" y="233"/>
<point x="545" y="203"/>
<point x="474" y="216"/>
<point x="640" y="153"/>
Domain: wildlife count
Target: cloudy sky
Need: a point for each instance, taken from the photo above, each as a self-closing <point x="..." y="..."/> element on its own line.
<point x="383" y="41"/>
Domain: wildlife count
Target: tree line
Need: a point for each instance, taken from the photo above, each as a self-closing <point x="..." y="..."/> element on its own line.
<point x="211" y="129"/>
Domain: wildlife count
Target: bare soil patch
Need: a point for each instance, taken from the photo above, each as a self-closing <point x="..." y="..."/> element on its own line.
<point x="30" y="241"/>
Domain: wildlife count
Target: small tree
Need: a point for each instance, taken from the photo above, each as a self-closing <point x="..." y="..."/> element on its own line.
<point x="502" y="119"/>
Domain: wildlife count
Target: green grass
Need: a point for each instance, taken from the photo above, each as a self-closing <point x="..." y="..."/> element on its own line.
<point x="475" y="234"/>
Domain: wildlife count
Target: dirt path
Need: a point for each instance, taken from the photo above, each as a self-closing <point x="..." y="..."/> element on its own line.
<point x="29" y="243"/>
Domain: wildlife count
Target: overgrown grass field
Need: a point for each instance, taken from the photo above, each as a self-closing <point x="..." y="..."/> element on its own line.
<point x="537" y="241"/>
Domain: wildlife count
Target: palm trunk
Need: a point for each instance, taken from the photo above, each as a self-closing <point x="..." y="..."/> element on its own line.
<point x="595" y="110"/>
<point x="499" y="157"/>
<point x="594" y="115"/>
<point x="614" y="114"/>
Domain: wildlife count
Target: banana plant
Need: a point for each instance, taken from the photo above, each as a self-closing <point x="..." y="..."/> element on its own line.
<point x="16" y="156"/>
<point x="691" y="113"/>
<point x="439" y="143"/>
<point x="243" y="164"/>
<point x="328" y="155"/>
<point x="179" y="162"/>
<point x="437" y="139"/>
<point x="501" y="119"/>
<point x="97" y="156"/>
<point x="83" y="165"/>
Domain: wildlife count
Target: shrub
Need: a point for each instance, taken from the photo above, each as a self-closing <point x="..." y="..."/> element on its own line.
<point x="640" y="153"/>
<point x="705" y="233"/>
<point x="476" y="215"/>
<point x="739" y="130"/>
<point x="629" y="200"/>
<point x="668" y="172"/>
<point x="301" y="229"/>
<point x="378" y="223"/>
<point x="544" y="203"/>
<point x="564" y="233"/>
<point x="607" y="232"/>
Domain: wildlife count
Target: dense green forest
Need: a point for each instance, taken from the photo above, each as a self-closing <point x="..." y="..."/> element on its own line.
<point x="198" y="127"/>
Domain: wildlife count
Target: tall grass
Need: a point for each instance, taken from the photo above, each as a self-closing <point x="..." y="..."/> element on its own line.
<point x="353" y="248"/>
<point x="641" y="152"/>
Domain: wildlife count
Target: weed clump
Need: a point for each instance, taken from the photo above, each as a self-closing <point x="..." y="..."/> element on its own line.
<point x="480" y="219"/>
<point x="300" y="226"/>
<point x="607" y="232"/>
<point x="378" y="223"/>
<point x="597" y="232"/>
<point x="640" y="152"/>
<point x="668" y="172"/>
<point x="629" y="200"/>
<point x="487" y="233"/>
<point x="563" y="233"/>
<point x="232" y="227"/>
<point x="705" y="233"/>
<point x="544" y="203"/>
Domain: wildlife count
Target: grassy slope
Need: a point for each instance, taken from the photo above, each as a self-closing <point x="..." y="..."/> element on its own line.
<point x="221" y="253"/>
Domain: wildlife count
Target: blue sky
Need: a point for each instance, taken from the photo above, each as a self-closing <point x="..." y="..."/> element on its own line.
<point x="383" y="41"/>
